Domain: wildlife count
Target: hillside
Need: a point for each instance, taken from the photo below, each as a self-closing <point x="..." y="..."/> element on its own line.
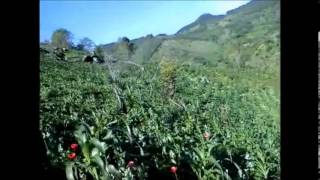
<point x="248" y="37"/>
<point x="200" y="23"/>
<point x="240" y="20"/>
<point x="193" y="118"/>
<point x="201" y="104"/>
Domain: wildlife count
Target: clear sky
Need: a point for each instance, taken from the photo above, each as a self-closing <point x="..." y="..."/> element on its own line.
<point x="106" y="21"/>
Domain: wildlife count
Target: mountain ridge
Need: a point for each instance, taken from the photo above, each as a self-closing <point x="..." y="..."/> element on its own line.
<point x="247" y="36"/>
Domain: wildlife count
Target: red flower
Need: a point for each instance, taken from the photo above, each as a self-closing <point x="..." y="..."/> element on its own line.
<point x="206" y="135"/>
<point x="173" y="169"/>
<point x="130" y="164"/>
<point x="72" y="156"/>
<point x="74" y="147"/>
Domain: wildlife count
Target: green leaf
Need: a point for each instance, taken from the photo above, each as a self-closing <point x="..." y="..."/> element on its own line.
<point x="108" y="136"/>
<point x="86" y="127"/>
<point x="199" y="154"/>
<point x="81" y="137"/>
<point x="171" y="154"/>
<point x="69" y="171"/>
<point x="129" y="134"/>
<point x="100" y="145"/>
<point x="173" y="161"/>
<point x="113" y="170"/>
<point x="94" y="152"/>
<point x="164" y="150"/>
<point x="112" y="122"/>
<point x="99" y="162"/>
<point x="141" y="151"/>
<point x="85" y="152"/>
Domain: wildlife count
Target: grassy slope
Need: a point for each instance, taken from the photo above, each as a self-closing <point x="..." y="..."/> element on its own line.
<point x="236" y="110"/>
<point x="252" y="25"/>
<point x="238" y="106"/>
<point x="253" y="28"/>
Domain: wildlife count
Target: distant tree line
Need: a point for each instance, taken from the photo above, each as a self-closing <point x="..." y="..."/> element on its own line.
<point x="62" y="40"/>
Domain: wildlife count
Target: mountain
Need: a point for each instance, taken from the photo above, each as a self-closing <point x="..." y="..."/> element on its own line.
<point x="201" y="22"/>
<point x="240" y="21"/>
<point x="245" y="37"/>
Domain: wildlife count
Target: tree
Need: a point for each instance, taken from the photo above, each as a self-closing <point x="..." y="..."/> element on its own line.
<point x="98" y="51"/>
<point x="79" y="47"/>
<point x="124" y="39"/>
<point x="86" y="44"/>
<point x="168" y="77"/>
<point x="61" y="38"/>
<point x="124" y="48"/>
<point x="131" y="48"/>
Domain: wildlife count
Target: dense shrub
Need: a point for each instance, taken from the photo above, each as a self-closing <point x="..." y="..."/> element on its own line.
<point x="219" y="123"/>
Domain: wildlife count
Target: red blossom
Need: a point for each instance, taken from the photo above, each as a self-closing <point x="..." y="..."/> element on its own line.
<point x="74" y="147"/>
<point x="72" y="156"/>
<point x="130" y="164"/>
<point x="173" y="169"/>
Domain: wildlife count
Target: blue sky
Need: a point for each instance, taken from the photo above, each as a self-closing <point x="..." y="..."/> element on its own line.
<point x="106" y="21"/>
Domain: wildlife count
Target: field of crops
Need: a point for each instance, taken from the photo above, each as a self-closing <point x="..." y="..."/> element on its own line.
<point x="164" y="120"/>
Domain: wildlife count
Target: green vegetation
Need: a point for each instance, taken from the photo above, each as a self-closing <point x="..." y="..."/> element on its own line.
<point x="61" y="38"/>
<point x="146" y="49"/>
<point x="203" y="104"/>
<point x="160" y="130"/>
<point x="86" y="44"/>
<point x="246" y="38"/>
